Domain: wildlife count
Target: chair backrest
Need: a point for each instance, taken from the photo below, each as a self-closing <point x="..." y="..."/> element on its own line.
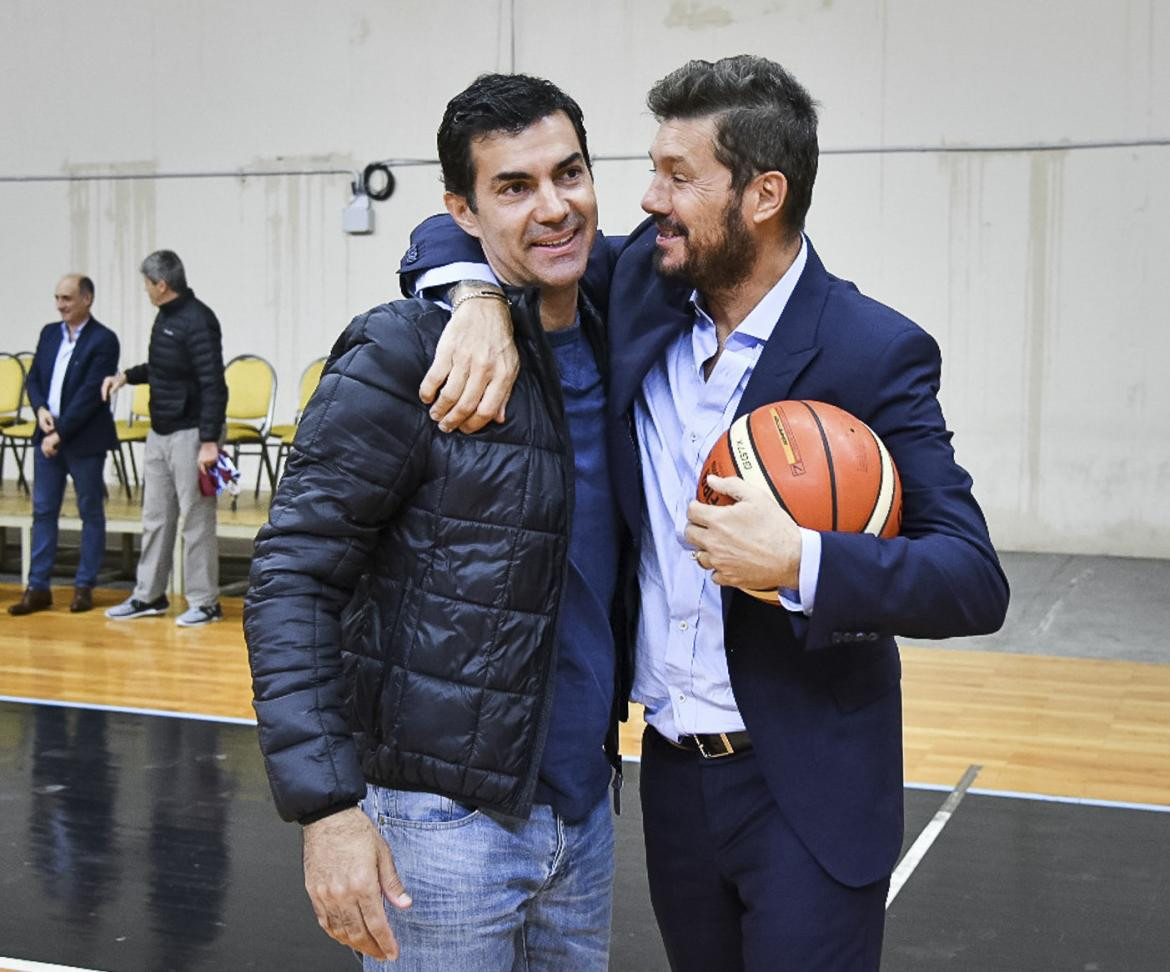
<point x="12" y="373"/>
<point x="140" y="403"/>
<point x="310" y="379"/>
<point x="251" y="385"/>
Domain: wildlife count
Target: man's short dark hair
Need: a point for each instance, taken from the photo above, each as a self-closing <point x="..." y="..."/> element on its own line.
<point x="497" y="103"/>
<point x="165" y="265"/>
<point x="765" y="120"/>
<point x="85" y="286"/>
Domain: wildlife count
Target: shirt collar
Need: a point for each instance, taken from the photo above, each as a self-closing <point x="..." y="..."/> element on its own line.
<point x="758" y="326"/>
<point x="65" y="329"/>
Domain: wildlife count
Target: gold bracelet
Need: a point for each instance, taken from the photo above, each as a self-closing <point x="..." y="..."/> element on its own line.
<point x="472" y="294"/>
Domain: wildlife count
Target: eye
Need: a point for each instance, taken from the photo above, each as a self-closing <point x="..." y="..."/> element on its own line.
<point x="512" y="189"/>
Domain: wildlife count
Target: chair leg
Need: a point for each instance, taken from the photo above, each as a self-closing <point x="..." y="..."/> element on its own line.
<point x="236" y="463"/>
<point x="268" y="467"/>
<point x="119" y="458"/>
<point x="20" y="480"/>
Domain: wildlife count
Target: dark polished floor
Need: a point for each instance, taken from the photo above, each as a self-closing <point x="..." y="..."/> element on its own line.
<point x="133" y="842"/>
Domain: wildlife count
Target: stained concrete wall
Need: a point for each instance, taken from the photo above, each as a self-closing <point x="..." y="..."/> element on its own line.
<point x="1039" y="272"/>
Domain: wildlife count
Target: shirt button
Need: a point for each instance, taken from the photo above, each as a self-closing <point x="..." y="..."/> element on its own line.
<point x="694" y="438"/>
<point x="682" y="626"/>
<point x="682" y="698"/>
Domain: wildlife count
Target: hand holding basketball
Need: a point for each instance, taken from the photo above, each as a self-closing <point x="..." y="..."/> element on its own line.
<point x="752" y="543"/>
<point x="822" y="467"/>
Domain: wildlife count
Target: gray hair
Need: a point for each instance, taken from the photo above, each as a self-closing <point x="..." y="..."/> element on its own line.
<point x="165" y="265"/>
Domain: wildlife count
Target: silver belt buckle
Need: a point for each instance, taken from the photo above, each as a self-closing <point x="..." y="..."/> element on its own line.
<point x="727" y="750"/>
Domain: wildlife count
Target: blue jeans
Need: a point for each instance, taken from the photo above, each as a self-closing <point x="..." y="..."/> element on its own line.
<point x="48" y="494"/>
<point x="492" y="893"/>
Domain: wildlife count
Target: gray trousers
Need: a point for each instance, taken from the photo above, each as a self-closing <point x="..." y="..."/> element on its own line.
<point x="171" y="492"/>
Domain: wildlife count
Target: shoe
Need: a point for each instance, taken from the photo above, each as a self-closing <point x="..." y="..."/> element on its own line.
<point x="196" y="616"/>
<point x="82" y="600"/>
<point x="133" y="608"/>
<point x="33" y="600"/>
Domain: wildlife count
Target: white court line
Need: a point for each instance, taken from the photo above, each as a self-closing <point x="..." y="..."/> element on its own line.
<point x="1047" y="798"/>
<point x="130" y="710"/>
<point x="21" y="965"/>
<point x="930" y="832"/>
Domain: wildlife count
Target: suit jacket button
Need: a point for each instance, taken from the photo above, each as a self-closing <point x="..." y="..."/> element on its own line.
<point x="872" y="636"/>
<point x="836" y="637"/>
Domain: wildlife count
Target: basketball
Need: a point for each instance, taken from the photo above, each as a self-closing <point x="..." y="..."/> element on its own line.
<point x="828" y="469"/>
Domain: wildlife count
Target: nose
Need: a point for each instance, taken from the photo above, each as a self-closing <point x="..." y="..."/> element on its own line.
<point x="551" y="206"/>
<point x="654" y="201"/>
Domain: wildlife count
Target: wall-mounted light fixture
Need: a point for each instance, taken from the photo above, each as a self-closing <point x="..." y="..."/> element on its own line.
<point x="376" y="182"/>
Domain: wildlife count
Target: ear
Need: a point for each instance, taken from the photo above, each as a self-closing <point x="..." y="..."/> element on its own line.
<point x="769" y="191"/>
<point x="461" y="211"/>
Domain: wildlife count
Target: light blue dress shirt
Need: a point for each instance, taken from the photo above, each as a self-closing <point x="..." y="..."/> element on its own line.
<point x="680" y="673"/>
<point x="64" y="353"/>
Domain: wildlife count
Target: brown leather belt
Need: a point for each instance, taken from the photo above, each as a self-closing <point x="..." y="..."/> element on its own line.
<point x="713" y="745"/>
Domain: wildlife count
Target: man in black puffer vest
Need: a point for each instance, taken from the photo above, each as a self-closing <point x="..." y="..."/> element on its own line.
<point x="188" y="400"/>
<point x="430" y="624"/>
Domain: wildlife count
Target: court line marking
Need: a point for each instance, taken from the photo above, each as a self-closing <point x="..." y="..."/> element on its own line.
<point x="130" y="710"/>
<point x="913" y="857"/>
<point x="1046" y="798"/>
<point x="22" y="965"/>
<point x="237" y="721"/>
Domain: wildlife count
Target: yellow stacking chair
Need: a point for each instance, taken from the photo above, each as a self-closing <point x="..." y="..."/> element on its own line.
<point x="16" y="431"/>
<point x="132" y="429"/>
<point x="284" y="434"/>
<point x="251" y="386"/>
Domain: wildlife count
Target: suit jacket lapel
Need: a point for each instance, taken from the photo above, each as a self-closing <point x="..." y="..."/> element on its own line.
<point x="793" y="344"/>
<point x="646" y="312"/>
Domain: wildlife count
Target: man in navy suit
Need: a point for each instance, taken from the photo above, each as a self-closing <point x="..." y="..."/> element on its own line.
<point x="74" y="432"/>
<point x="771" y="777"/>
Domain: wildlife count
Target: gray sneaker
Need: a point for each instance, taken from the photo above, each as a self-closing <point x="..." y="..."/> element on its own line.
<point x="194" y="617"/>
<point x="133" y="608"/>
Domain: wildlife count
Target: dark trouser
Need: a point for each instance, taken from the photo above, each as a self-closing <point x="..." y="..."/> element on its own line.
<point x="732" y="886"/>
<point x="48" y="493"/>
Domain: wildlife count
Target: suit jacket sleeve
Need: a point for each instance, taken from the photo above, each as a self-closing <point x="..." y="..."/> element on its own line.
<point x="85" y="397"/>
<point x="205" y="345"/>
<point x="323" y="527"/>
<point x="940" y="577"/>
<point x="36" y="382"/>
<point x="438" y="241"/>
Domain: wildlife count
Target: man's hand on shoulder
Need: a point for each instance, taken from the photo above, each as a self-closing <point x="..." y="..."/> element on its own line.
<point x="752" y="544"/>
<point x="348" y="869"/>
<point x="476" y="363"/>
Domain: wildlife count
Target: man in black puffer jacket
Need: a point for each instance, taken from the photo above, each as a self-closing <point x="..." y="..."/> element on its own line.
<point x="188" y="400"/>
<point x="429" y="622"/>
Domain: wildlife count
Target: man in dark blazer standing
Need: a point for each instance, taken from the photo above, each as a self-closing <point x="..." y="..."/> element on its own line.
<point x="75" y="430"/>
<point x="771" y="777"/>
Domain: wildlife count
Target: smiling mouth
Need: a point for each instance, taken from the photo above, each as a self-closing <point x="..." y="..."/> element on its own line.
<point x="669" y="231"/>
<point x="556" y="242"/>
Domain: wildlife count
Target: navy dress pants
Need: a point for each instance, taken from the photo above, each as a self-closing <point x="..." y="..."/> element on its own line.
<point x="732" y="885"/>
<point x="48" y="493"/>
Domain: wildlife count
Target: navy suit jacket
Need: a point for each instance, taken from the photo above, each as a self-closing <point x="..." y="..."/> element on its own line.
<point x="820" y="696"/>
<point x="85" y="423"/>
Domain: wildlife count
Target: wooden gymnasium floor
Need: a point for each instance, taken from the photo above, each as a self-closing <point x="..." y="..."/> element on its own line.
<point x="136" y="831"/>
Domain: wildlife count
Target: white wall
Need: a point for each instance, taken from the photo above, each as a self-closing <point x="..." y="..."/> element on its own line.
<point x="1040" y="273"/>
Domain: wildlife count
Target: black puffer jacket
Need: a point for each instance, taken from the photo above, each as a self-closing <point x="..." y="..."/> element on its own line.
<point x="436" y="560"/>
<point x="185" y="369"/>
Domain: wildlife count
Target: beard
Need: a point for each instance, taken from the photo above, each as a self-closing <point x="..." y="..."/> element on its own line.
<point x="717" y="264"/>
